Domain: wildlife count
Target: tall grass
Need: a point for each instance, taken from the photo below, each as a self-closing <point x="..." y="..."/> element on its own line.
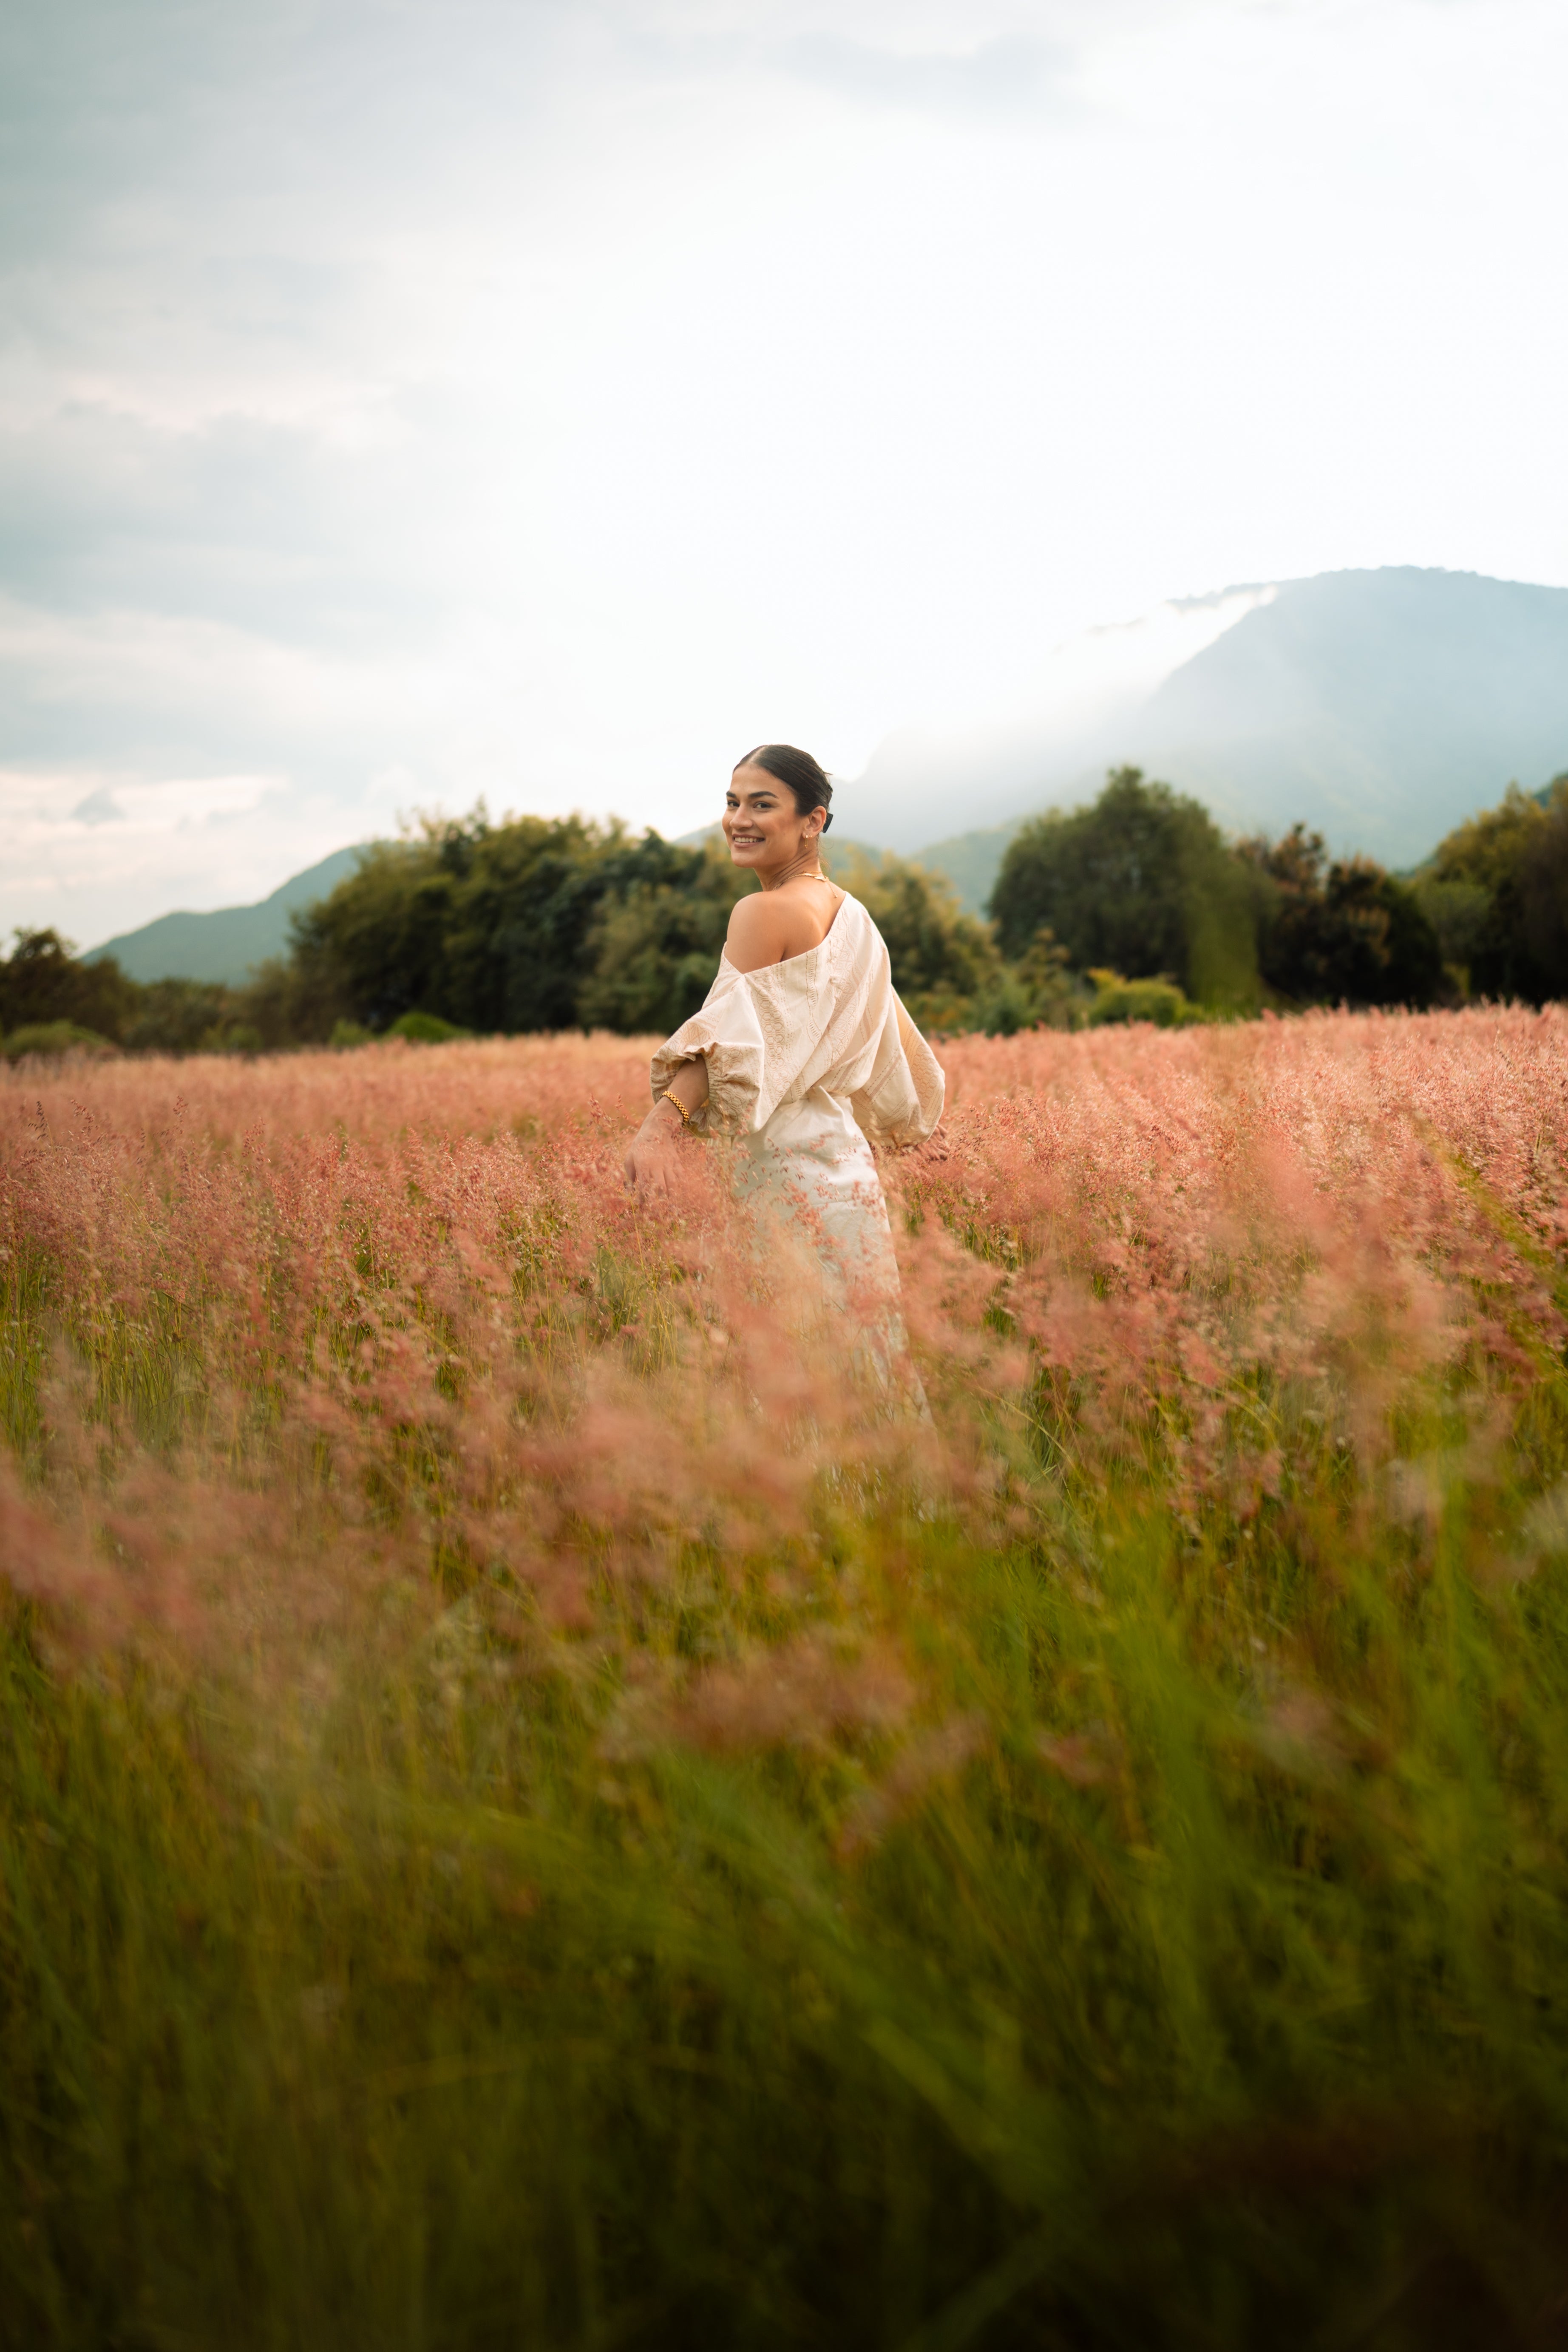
<point x="531" y="1816"/>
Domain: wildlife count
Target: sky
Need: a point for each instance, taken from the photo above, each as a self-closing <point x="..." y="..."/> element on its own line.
<point x="407" y="401"/>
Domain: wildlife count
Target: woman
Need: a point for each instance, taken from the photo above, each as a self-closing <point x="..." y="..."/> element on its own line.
<point x="804" y="1052"/>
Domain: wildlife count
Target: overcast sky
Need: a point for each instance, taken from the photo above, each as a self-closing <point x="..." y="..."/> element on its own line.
<point x="402" y="400"/>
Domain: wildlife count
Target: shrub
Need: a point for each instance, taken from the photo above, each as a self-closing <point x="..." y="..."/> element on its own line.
<point x="425" y="1029"/>
<point x="233" y="1037"/>
<point x="53" y="1037"/>
<point x="1159" y="1001"/>
<point x="1037" y="991"/>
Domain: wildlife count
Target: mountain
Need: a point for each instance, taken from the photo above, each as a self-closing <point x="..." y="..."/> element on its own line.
<point x="1380" y="708"/>
<point x="225" y="944"/>
<point x="970" y="861"/>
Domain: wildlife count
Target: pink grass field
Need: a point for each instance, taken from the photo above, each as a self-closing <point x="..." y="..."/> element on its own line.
<point x="422" y="1266"/>
<point x="541" y="1804"/>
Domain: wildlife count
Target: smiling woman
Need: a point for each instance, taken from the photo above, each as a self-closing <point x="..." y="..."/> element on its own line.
<point x="802" y="1053"/>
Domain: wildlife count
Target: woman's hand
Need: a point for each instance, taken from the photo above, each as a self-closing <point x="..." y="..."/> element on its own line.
<point x="650" y="1160"/>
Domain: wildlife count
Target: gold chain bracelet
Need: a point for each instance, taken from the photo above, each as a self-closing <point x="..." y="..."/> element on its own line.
<point x="680" y="1107"/>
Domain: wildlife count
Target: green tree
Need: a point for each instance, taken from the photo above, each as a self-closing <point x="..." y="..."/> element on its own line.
<point x="1516" y="857"/>
<point x="1460" y="913"/>
<point x="655" y="952"/>
<point x="182" y="1016"/>
<point x="1140" y="881"/>
<point x="522" y="943"/>
<point x="509" y="927"/>
<point x="1339" y="932"/>
<point x="44" y="984"/>
<point x="536" y="924"/>
<point x="1037" y="991"/>
<point x="374" y="947"/>
<point x="295" y="1000"/>
<point x="42" y="981"/>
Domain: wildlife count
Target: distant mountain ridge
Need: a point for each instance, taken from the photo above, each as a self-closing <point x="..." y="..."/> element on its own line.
<point x="225" y="944"/>
<point x="1380" y="708"/>
<point x="970" y="861"/>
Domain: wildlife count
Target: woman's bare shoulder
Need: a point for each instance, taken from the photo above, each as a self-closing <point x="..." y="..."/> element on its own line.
<point x="760" y="931"/>
<point x="772" y="926"/>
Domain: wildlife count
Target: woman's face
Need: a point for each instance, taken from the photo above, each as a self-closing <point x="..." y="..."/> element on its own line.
<point x="762" y="824"/>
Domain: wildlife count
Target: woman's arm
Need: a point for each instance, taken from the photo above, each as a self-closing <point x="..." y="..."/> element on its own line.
<point x="647" y="1162"/>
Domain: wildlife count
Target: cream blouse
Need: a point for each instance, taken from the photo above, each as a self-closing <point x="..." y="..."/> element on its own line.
<point x="823" y="1029"/>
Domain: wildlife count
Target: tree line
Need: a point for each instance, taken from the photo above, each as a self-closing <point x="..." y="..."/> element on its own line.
<point x="1135" y="906"/>
<point x="1143" y="880"/>
<point x="470" y="925"/>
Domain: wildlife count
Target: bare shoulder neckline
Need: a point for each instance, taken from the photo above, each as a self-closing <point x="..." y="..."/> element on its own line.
<point x="786" y="961"/>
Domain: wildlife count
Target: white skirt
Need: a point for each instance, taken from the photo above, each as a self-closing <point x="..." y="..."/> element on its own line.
<point x="810" y="1179"/>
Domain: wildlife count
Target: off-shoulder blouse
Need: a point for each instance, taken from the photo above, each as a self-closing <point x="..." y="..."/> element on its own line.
<point x="826" y="1022"/>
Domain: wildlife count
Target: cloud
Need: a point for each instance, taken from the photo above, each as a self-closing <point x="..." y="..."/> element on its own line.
<point x="145" y="688"/>
<point x="99" y="808"/>
<point x="96" y="863"/>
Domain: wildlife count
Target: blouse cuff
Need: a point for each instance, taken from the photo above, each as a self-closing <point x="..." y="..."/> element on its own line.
<point x="733" y="1075"/>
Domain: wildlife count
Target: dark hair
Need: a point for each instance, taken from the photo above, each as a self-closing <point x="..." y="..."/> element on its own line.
<point x="809" y="784"/>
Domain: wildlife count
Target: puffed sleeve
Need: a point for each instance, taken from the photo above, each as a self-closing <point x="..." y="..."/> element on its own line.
<point x="728" y="1035"/>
